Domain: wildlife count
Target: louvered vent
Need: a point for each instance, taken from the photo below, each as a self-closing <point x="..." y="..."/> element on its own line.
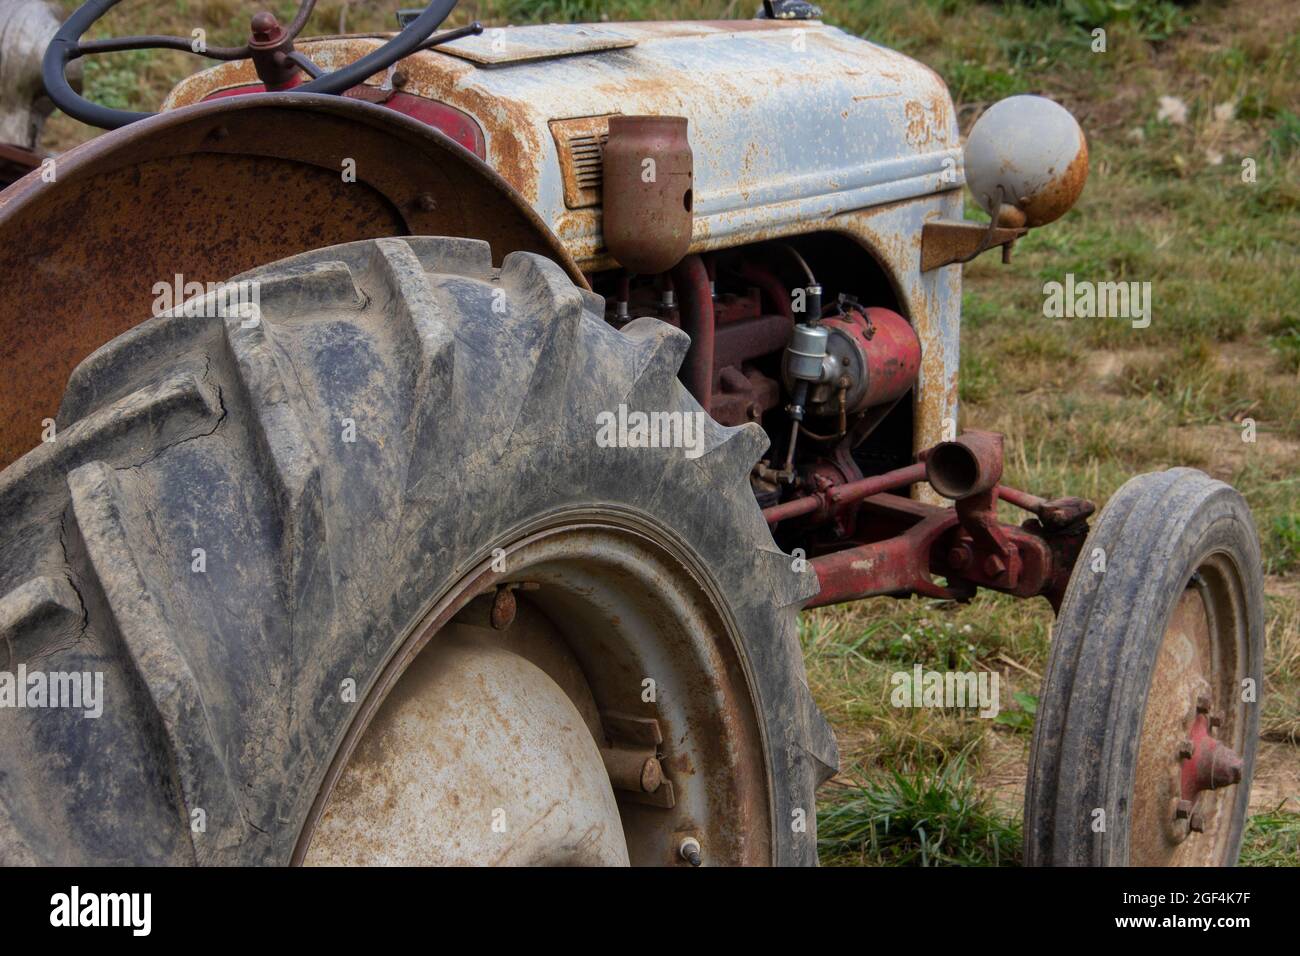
<point x="588" y="165"/>
<point x="581" y="145"/>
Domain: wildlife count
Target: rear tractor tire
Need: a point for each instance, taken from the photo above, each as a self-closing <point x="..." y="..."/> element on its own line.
<point x="363" y="586"/>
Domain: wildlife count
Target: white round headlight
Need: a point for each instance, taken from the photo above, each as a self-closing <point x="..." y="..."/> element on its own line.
<point x="1026" y="161"/>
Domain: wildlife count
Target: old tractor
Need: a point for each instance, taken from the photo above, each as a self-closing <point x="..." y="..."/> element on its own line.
<point x="430" y="439"/>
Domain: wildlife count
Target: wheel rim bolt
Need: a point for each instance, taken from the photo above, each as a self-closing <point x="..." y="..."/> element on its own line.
<point x="690" y="851"/>
<point x="503" y="609"/>
<point x="652" y="775"/>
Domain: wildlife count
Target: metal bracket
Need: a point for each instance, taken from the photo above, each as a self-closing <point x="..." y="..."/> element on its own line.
<point x="948" y="241"/>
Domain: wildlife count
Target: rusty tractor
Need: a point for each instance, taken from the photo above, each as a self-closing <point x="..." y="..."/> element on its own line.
<point x="431" y="438"/>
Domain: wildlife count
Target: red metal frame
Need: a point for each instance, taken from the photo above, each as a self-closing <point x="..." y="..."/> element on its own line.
<point x="910" y="542"/>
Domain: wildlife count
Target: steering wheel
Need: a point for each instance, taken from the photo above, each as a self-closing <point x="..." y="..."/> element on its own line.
<point x="270" y="47"/>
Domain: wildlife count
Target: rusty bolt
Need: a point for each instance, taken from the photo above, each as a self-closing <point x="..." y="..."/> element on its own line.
<point x="959" y="556"/>
<point x="994" y="566"/>
<point x="503" y="609"/>
<point x="690" y="851"/>
<point x="1202" y="704"/>
<point x="425" y="202"/>
<point x="1183" y="810"/>
<point x="652" y="775"/>
<point x="1185" y="750"/>
<point x="266" y="28"/>
<point x="399" y="80"/>
<point x="1197" y="823"/>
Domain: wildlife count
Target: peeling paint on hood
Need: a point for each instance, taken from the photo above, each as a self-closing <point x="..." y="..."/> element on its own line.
<point x="788" y="121"/>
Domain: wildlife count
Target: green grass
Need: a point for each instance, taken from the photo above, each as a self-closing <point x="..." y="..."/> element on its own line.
<point x="1020" y="718"/>
<point x="1272" y="839"/>
<point x="926" y="817"/>
<point x="116" y="81"/>
<point x="1284" y="543"/>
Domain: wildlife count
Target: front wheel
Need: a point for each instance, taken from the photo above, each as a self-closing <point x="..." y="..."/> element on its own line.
<point x="1145" y="740"/>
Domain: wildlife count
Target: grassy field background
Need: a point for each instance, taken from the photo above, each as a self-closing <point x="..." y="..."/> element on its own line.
<point x="1183" y="96"/>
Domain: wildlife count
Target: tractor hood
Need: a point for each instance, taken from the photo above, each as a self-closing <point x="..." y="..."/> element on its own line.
<point x="789" y="122"/>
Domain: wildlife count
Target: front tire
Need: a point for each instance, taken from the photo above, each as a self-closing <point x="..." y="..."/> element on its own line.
<point x="1156" y="661"/>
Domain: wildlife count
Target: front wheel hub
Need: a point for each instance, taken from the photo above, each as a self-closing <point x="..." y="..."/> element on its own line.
<point x="1210" y="765"/>
<point x="1189" y="703"/>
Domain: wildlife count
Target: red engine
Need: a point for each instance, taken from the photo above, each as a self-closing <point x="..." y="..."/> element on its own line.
<point x="820" y="372"/>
